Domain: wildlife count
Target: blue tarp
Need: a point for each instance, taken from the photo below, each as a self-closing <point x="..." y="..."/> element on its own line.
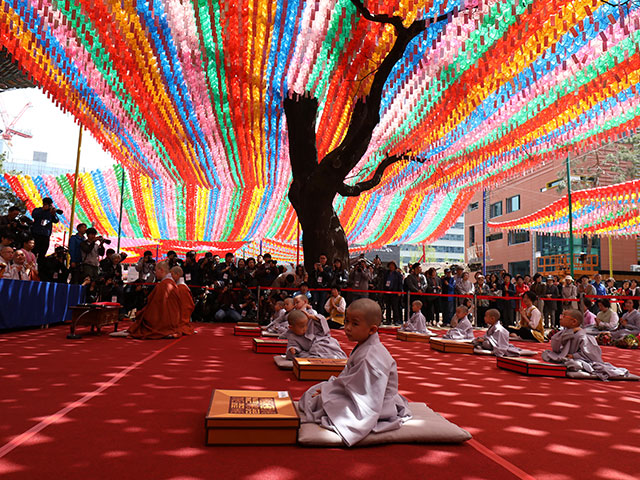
<point x="27" y="304"/>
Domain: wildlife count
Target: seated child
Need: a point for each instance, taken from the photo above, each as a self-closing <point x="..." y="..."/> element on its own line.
<point x="531" y="325"/>
<point x="417" y="323"/>
<point x="497" y="337"/>
<point x="279" y="321"/>
<point x="301" y="343"/>
<point x="364" y="398"/>
<point x="577" y="350"/>
<point x="606" y="319"/>
<point x="589" y="316"/>
<point x="318" y="326"/>
<point x="336" y="306"/>
<point x="629" y="322"/>
<point x="461" y="326"/>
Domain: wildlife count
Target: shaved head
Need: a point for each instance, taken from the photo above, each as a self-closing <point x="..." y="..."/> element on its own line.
<point x="296" y="316"/>
<point x="370" y="309"/>
<point x="177" y="270"/>
<point x="164" y="266"/>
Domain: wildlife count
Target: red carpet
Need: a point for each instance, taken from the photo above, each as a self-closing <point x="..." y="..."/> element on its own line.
<point x="106" y="407"/>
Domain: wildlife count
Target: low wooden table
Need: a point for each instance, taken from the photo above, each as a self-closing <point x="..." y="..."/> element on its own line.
<point x="95" y="316"/>
<point x="269" y="345"/>
<point x="531" y="367"/>
<point x="413" y="336"/>
<point x="451" y="346"/>
<point x="318" y="368"/>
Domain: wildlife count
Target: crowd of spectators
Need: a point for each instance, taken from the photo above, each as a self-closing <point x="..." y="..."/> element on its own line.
<point x="227" y="289"/>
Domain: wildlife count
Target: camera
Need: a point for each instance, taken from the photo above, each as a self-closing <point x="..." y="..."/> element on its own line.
<point x="106" y="241"/>
<point x="59" y="212"/>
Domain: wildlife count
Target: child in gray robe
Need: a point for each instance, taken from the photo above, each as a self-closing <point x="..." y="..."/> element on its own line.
<point x="417" y="323"/>
<point x="301" y="343"/>
<point x="579" y="351"/>
<point x="279" y="322"/>
<point x="629" y="322"/>
<point x="318" y="325"/>
<point x="364" y="398"/>
<point x="462" y="328"/>
<point x="496" y="339"/>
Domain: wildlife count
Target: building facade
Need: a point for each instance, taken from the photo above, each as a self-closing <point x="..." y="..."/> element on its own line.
<point x="447" y="250"/>
<point x="519" y="252"/>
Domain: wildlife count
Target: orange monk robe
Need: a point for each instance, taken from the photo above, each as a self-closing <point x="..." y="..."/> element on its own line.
<point x="160" y="317"/>
<point x="186" y="309"/>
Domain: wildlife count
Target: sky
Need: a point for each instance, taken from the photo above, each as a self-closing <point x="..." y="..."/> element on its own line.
<point x="53" y="132"/>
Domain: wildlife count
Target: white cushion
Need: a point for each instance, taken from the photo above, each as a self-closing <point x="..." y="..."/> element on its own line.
<point x="426" y="426"/>
<point x="270" y="334"/>
<point x="523" y="353"/>
<point x="282" y="362"/>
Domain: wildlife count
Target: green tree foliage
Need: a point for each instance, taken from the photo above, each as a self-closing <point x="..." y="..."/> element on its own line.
<point x="7" y="197"/>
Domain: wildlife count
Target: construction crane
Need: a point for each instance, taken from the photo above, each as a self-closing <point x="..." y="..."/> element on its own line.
<point x="9" y="129"/>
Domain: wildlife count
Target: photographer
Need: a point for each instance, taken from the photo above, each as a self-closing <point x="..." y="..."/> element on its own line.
<point x="10" y="217"/>
<point x="76" y="254"/>
<point x="146" y="268"/>
<point x="92" y="249"/>
<point x="359" y="279"/>
<point x="55" y="267"/>
<point x="43" y="219"/>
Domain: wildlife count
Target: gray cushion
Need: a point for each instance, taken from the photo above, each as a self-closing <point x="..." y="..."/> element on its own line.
<point x="582" y="375"/>
<point x="282" y="362"/>
<point x="426" y="426"/>
<point x="270" y="334"/>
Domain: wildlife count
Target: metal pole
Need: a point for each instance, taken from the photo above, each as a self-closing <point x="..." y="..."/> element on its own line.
<point x="121" y="204"/>
<point x="571" y="259"/>
<point x="75" y="185"/>
<point x="610" y="258"/>
<point x="484" y="232"/>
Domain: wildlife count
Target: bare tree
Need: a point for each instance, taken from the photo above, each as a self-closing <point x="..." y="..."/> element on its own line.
<point x="316" y="183"/>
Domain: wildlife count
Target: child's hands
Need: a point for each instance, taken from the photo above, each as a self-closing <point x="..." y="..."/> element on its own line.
<point x="292" y="351"/>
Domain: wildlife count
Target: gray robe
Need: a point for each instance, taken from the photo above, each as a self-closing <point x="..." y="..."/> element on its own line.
<point x="586" y="353"/>
<point x="279" y="324"/>
<point x="318" y="328"/>
<point x="633" y="325"/>
<point x="463" y="331"/>
<point x="417" y="323"/>
<point x="310" y="346"/>
<point x="497" y="340"/>
<point x="364" y="398"/>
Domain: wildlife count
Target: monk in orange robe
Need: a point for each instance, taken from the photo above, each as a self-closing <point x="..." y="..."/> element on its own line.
<point x="186" y="302"/>
<point x="160" y="317"/>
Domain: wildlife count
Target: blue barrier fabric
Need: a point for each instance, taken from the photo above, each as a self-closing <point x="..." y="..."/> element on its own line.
<point x="26" y="304"/>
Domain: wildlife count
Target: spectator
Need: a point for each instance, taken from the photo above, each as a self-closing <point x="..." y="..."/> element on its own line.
<point x="300" y="276"/>
<point x="448" y="304"/>
<point x="550" y="306"/>
<point x="55" y="267"/>
<point x="584" y="288"/>
<point x="10" y="218"/>
<point x="75" y="253"/>
<point x="393" y="283"/>
<point x="540" y="289"/>
<point x="598" y="285"/>
<point x="111" y="268"/>
<point x="146" y="268"/>
<point x="464" y="286"/>
<point x="190" y="269"/>
<point x="481" y="289"/>
<point x="359" y="279"/>
<point x="320" y="278"/>
<point x="173" y="260"/>
<point x="43" y="219"/>
<point x="340" y="275"/>
<point x="19" y="269"/>
<point x="569" y="290"/>
<point x="6" y="257"/>
<point x="92" y="248"/>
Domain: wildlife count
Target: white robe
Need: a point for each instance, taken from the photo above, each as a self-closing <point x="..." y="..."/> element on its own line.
<point x="364" y="398"/>
<point x="417" y="323"/>
<point x="279" y="323"/>
<point x="497" y="340"/>
<point x="463" y="331"/>
<point x="585" y="351"/>
<point x="309" y="346"/>
<point x="633" y="325"/>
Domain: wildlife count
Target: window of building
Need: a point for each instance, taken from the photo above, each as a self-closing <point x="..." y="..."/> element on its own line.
<point x="472" y="235"/>
<point x="520" y="268"/>
<point x="494" y="236"/>
<point x="513" y="204"/>
<point x="495" y="209"/>
<point x="517" y="237"/>
<point x="473" y="206"/>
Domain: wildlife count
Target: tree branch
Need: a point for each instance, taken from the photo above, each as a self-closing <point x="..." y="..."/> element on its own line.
<point x="355" y="190"/>
<point x="377" y="18"/>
